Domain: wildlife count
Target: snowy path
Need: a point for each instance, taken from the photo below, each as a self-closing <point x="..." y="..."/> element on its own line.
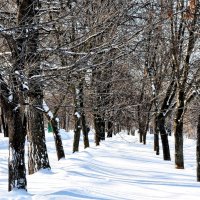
<point x="120" y="169"/>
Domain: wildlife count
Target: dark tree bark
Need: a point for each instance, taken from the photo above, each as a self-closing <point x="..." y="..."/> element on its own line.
<point x="77" y="131"/>
<point x="144" y="138"/>
<point x="99" y="102"/>
<point x="38" y="157"/>
<point x="57" y="138"/>
<point x="15" y="117"/>
<point x="99" y="126"/>
<point x="64" y="119"/>
<point x="85" y="128"/>
<point x="15" y="109"/>
<point x="77" y="118"/>
<point x="68" y="122"/>
<point x="97" y="130"/>
<point x="16" y="163"/>
<point x="56" y="134"/>
<point x="182" y="70"/>
<point x="102" y="128"/>
<point x="4" y="122"/>
<point x="181" y="106"/>
<point x="110" y="129"/>
<point x="0" y="121"/>
<point x="178" y="131"/>
<point x="140" y="136"/>
<point x="118" y="128"/>
<point x="54" y="121"/>
<point x="140" y="125"/>
<point x="161" y="119"/>
<point x="156" y="136"/>
<point x="143" y="122"/>
<point x="37" y="150"/>
<point x="164" y="137"/>
<point x="198" y="150"/>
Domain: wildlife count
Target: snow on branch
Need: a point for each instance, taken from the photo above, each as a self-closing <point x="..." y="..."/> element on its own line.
<point x="77" y="114"/>
<point x="47" y="110"/>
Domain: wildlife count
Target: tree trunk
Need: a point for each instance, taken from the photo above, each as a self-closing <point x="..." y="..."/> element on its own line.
<point x="156" y="136"/>
<point x="0" y="120"/>
<point x="64" y="120"/>
<point x="16" y="119"/>
<point x="77" y="119"/>
<point x="164" y="137"/>
<point x="102" y="129"/>
<point x="198" y="150"/>
<point x="133" y="132"/>
<point x="139" y="122"/>
<point x="169" y="96"/>
<point x="118" y="128"/>
<point x="110" y="129"/>
<point x="85" y="128"/>
<point x="77" y="131"/>
<point x="97" y="127"/>
<point x="140" y="135"/>
<point x="38" y="157"/>
<point x="16" y="161"/>
<point x="99" y="104"/>
<point x="178" y="134"/>
<point x="146" y="125"/>
<point x="178" y="131"/>
<point x="37" y="150"/>
<point x="144" y="138"/>
<point x="68" y="122"/>
<point x="57" y="138"/>
<point x="15" y="110"/>
<point x="4" y="123"/>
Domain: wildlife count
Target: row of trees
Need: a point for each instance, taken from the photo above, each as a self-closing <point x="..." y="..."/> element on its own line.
<point x="109" y="64"/>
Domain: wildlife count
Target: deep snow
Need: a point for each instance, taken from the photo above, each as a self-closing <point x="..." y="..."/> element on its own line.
<point x="119" y="169"/>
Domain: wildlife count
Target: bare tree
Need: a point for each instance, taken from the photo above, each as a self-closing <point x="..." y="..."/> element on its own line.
<point x="182" y="36"/>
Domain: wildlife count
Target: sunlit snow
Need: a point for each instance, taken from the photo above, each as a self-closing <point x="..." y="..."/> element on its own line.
<point x="119" y="169"/>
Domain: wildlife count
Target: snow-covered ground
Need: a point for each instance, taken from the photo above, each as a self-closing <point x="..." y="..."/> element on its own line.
<point x="119" y="169"/>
